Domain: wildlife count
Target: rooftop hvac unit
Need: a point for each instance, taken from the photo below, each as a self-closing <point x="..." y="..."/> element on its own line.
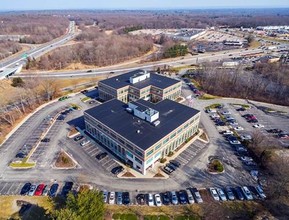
<point x="129" y="110"/>
<point x="156" y="123"/>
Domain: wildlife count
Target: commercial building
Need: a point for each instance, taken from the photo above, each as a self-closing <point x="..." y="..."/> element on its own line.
<point x="141" y="132"/>
<point x="139" y="84"/>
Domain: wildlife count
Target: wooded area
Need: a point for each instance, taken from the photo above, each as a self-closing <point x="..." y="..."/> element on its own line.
<point x="265" y="82"/>
<point x="39" y="28"/>
<point x="95" y="47"/>
<point x="8" y="47"/>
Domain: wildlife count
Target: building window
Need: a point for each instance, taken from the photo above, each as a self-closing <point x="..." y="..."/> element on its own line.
<point x="138" y="160"/>
<point x="129" y="154"/>
<point x="129" y="146"/>
<point x="149" y="161"/>
<point x="179" y="131"/>
<point x="166" y="141"/>
<point x="173" y="135"/>
<point x="150" y="152"/>
<point x="158" y="146"/>
<point x="138" y="152"/>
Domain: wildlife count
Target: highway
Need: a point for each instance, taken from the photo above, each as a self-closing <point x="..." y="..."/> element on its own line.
<point x="40" y="50"/>
<point x="200" y="58"/>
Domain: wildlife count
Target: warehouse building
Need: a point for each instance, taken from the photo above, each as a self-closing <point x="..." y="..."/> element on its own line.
<point x="139" y="85"/>
<point x="141" y="132"/>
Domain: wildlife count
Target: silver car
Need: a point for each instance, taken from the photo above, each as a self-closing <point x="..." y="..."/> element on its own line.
<point x="221" y="194"/>
<point x="197" y="195"/>
<point x="32" y="190"/>
<point x="174" y="198"/>
<point x="119" y="198"/>
<point x="247" y="193"/>
<point x="214" y="194"/>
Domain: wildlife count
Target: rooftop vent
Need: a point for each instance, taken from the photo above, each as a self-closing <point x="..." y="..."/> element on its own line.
<point x="138" y="131"/>
<point x="129" y="110"/>
<point x="156" y="123"/>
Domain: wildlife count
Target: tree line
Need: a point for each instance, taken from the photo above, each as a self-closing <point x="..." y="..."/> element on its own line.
<point x="8" y="47"/>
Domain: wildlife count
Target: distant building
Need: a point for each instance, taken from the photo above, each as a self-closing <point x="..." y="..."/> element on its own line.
<point x="230" y="64"/>
<point x="268" y="59"/>
<point x="141" y="132"/>
<point x="139" y="85"/>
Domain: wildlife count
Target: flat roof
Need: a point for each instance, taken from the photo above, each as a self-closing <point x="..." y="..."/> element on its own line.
<point x="113" y="114"/>
<point x="156" y="80"/>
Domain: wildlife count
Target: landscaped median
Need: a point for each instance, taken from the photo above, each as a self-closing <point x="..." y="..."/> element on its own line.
<point x="22" y="165"/>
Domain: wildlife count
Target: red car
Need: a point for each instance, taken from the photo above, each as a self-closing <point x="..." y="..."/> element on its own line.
<point x="39" y="190"/>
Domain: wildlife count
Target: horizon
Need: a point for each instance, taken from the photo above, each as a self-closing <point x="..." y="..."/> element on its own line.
<point x="32" y="5"/>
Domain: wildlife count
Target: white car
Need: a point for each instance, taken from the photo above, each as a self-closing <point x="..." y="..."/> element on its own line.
<point x="246" y="137"/>
<point x="233" y="123"/>
<point x="260" y="192"/>
<point x="227" y="132"/>
<point x="158" y="200"/>
<point x="150" y="200"/>
<point x="32" y="190"/>
<point x="235" y="142"/>
<point x="214" y="194"/>
<point x="247" y="193"/>
<point x="238" y="128"/>
<point x="244" y="158"/>
<point x="190" y="196"/>
<point x="258" y="126"/>
<point x="84" y="142"/>
<point x="111" y="199"/>
<point x="221" y="194"/>
<point x="197" y="195"/>
<point x="226" y="113"/>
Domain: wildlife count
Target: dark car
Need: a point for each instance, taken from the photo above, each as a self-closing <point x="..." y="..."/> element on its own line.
<point x="91" y="102"/>
<point x="274" y="131"/>
<point x="117" y="170"/>
<point x="182" y="197"/>
<point x="66" y="188"/>
<point x="221" y="123"/>
<point x="240" y="109"/>
<point x="78" y="138"/>
<point x="25" y="189"/>
<point x="172" y="166"/>
<point x="253" y="121"/>
<point x="89" y="71"/>
<point x="84" y="91"/>
<point x="125" y="198"/>
<point x="101" y="156"/>
<point x="53" y="189"/>
<point x="176" y="163"/>
<point x="239" y="193"/>
<point x="20" y="155"/>
<point x="165" y="198"/>
<point x="140" y="198"/>
<point x="45" y="140"/>
<point x="60" y="117"/>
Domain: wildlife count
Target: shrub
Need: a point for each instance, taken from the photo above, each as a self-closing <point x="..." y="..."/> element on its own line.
<point x="163" y="160"/>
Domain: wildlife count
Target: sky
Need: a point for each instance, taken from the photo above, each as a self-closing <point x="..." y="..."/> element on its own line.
<point x="138" y="4"/>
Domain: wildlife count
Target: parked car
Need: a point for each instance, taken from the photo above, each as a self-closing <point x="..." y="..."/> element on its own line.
<point x="247" y="193"/>
<point x="45" y="191"/>
<point x="111" y="199"/>
<point x="240" y="109"/>
<point x="235" y="142"/>
<point x="238" y="128"/>
<point x="66" y="188"/>
<point x="105" y="196"/>
<point x="182" y="197"/>
<point x="274" y="131"/>
<point x="250" y="163"/>
<point x="101" y="155"/>
<point x="158" y="200"/>
<point x="225" y="113"/>
<point x="239" y="193"/>
<point x="53" y="189"/>
<point x="84" y="142"/>
<point x="32" y="190"/>
<point x="119" y="198"/>
<point x="258" y="126"/>
<point x="197" y="195"/>
<point x="117" y="170"/>
<point x="175" y="162"/>
<point x="125" y="198"/>
<point x="230" y="193"/>
<point x="150" y="200"/>
<point x="39" y="189"/>
<point x="254" y="174"/>
<point x="174" y="198"/>
<point x="214" y="194"/>
<point x="221" y="194"/>
<point x="227" y="132"/>
<point x="140" y="198"/>
<point x="167" y="170"/>
<point x="190" y="197"/>
<point x="165" y="198"/>
<point x="78" y="138"/>
<point x="260" y="192"/>
<point x="25" y="189"/>
<point x="45" y="140"/>
<point x="245" y="158"/>
<point x="246" y="137"/>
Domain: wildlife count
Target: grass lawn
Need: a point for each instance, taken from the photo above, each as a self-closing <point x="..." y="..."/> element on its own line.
<point x="208" y="96"/>
<point x="216" y="105"/>
<point x="9" y="208"/>
<point x="22" y="165"/>
<point x="255" y="44"/>
<point x="242" y="105"/>
<point x="85" y="99"/>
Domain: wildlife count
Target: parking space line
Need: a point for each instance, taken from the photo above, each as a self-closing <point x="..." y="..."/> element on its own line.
<point x="107" y="162"/>
<point x="1" y="191"/>
<point x="93" y="150"/>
